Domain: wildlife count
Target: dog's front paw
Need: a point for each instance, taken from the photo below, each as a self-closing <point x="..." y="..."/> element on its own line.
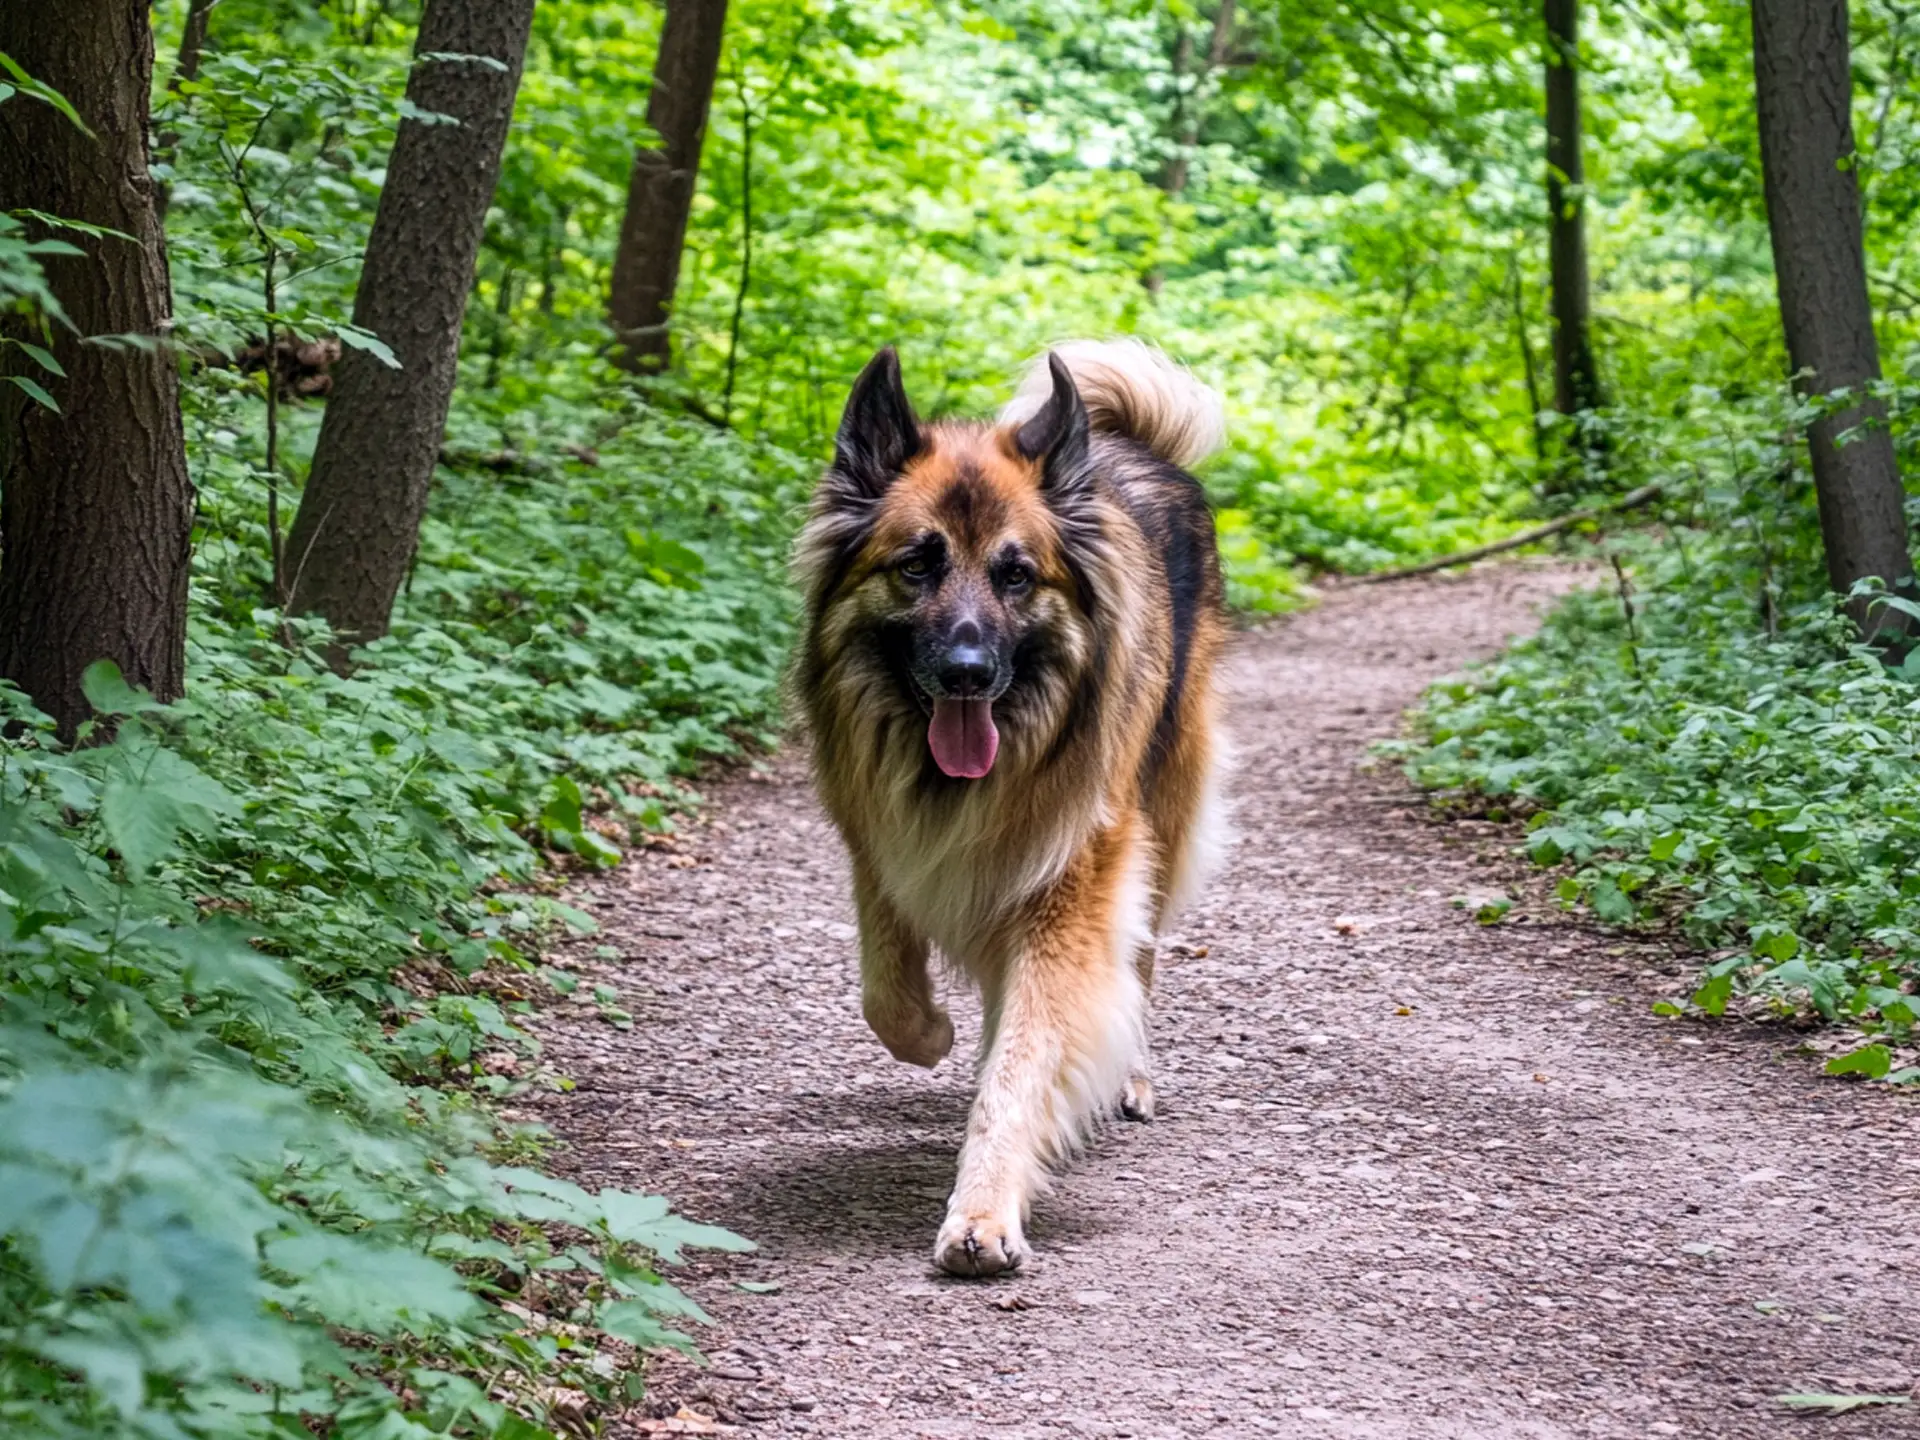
<point x="919" y="1037"/>
<point x="1136" y="1101"/>
<point x="976" y="1246"/>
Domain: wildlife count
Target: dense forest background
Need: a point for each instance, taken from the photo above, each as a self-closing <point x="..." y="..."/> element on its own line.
<point x="452" y="513"/>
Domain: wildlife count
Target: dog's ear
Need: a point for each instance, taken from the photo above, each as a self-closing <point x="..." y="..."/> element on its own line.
<point x="878" y="434"/>
<point x="1056" y="436"/>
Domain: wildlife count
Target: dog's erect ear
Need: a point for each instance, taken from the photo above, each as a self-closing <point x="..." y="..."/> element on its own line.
<point x="1056" y="436"/>
<point x="878" y="434"/>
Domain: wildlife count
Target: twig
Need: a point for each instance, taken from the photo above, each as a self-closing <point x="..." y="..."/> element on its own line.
<point x="1630" y="501"/>
<point x="746" y="248"/>
<point x="1626" y="608"/>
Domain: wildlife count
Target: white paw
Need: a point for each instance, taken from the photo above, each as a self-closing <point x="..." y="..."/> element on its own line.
<point x="976" y="1246"/>
<point x="919" y="1037"/>
<point x="1136" y="1101"/>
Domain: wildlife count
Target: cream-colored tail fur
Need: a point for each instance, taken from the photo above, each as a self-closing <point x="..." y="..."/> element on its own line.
<point x="1131" y="388"/>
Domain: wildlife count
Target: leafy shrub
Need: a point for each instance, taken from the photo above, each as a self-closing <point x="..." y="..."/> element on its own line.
<point x="1712" y="744"/>
<point x="256" y="952"/>
<point x="225" y="1206"/>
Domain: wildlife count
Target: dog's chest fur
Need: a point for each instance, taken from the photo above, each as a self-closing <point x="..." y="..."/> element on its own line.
<point x="963" y="868"/>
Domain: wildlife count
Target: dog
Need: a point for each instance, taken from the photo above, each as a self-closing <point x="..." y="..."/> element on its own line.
<point x="1007" y="678"/>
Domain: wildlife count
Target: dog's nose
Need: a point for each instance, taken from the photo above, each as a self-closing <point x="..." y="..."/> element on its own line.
<point x="967" y="671"/>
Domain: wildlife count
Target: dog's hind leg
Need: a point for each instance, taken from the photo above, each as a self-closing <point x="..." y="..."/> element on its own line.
<point x="896" y="990"/>
<point x="1063" y="1014"/>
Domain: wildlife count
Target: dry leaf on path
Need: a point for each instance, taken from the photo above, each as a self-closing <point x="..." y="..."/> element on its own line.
<point x="684" y="1422"/>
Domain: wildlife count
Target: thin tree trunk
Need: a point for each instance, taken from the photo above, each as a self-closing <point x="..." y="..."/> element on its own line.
<point x="193" y="41"/>
<point x="359" y="520"/>
<point x="96" y="510"/>
<point x="746" y="253"/>
<point x="1576" y="378"/>
<point x="646" y="267"/>
<point x="1803" y="86"/>
<point x="1528" y="367"/>
<point x="1189" y="111"/>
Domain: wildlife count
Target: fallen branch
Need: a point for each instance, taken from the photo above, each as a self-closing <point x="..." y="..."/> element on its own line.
<point x="1630" y="501"/>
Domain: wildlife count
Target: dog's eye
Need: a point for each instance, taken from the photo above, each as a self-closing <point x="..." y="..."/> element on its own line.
<point x="918" y="567"/>
<point x="1016" y="577"/>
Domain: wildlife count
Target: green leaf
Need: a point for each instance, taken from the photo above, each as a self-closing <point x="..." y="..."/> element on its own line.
<point x="1611" y="904"/>
<point x="144" y="810"/>
<point x="592" y="846"/>
<point x="36" y="390"/>
<point x="645" y="1220"/>
<point x="141" y="824"/>
<point x="1839" y="1404"/>
<point x="512" y="1427"/>
<point x="355" y="338"/>
<point x="109" y="693"/>
<point x="1872" y="1061"/>
<point x="43" y="358"/>
<point x="1712" y="997"/>
<point x="562" y="813"/>
<point x="39" y="91"/>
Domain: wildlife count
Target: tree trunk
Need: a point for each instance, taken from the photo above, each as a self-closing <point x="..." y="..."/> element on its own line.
<point x="646" y="267"/>
<point x="359" y="519"/>
<point x="96" y="510"/>
<point x="1803" y="85"/>
<point x="1190" y="106"/>
<point x="193" y="41"/>
<point x="1576" y="379"/>
<point x="1189" y="111"/>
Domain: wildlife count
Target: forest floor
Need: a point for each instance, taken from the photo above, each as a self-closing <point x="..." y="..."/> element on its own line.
<point x="1413" y="1176"/>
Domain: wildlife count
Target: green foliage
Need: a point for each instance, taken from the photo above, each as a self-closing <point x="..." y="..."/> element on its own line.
<point x="264" y="953"/>
<point x="227" y="1203"/>
<point x="1711" y="745"/>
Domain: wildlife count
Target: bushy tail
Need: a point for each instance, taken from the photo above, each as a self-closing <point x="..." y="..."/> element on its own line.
<point x="1131" y="388"/>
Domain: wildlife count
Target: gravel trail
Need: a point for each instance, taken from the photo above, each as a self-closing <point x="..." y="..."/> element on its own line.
<point x="1412" y="1178"/>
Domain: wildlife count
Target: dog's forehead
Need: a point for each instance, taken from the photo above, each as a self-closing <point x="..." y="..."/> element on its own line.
<point x="970" y="487"/>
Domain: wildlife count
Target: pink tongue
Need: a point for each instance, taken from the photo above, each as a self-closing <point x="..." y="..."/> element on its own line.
<point x="962" y="737"/>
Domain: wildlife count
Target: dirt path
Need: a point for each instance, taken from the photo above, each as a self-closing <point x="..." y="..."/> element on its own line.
<point x="1412" y="1177"/>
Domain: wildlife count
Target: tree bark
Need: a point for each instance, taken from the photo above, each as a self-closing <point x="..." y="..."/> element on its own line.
<point x="96" y="510"/>
<point x="1803" y="87"/>
<point x="646" y="267"/>
<point x="193" y="42"/>
<point x="359" y="519"/>
<point x="1576" y="378"/>
<point x="1189" y="111"/>
<point x="1190" y="106"/>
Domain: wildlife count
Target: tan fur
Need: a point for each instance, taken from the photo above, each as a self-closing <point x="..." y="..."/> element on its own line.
<point x="1132" y="388"/>
<point x="1045" y="881"/>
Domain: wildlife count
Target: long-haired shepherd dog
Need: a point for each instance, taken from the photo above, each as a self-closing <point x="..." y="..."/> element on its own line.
<point x="1007" y="674"/>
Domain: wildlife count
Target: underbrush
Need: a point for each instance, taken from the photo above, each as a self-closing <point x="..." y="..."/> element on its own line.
<point x="1676" y="754"/>
<point x="264" y="958"/>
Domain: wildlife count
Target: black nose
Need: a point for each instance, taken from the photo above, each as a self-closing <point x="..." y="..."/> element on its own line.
<point x="967" y="671"/>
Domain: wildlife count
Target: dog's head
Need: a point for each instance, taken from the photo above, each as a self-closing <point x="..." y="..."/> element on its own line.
<point x="948" y="576"/>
